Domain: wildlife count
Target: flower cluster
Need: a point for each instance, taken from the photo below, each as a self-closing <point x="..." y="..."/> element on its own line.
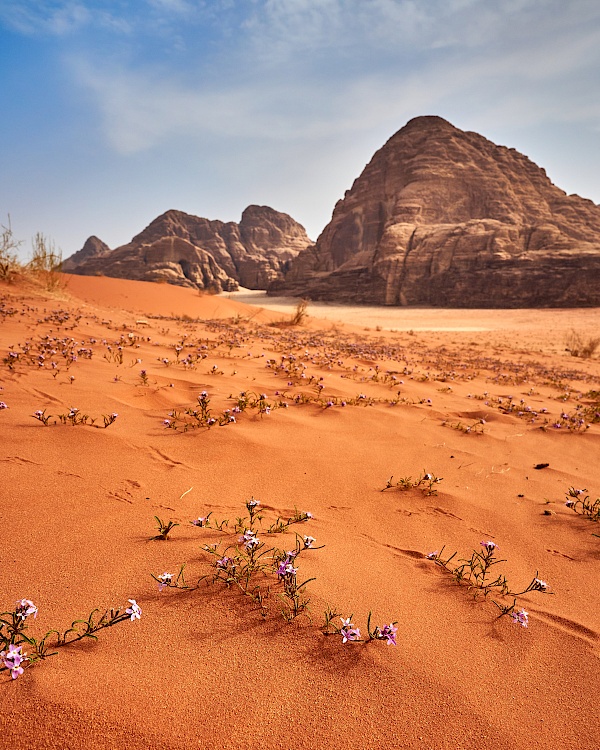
<point x="426" y="483"/>
<point x="474" y="573"/>
<point x="12" y="660"/>
<point x="13" y="636"/>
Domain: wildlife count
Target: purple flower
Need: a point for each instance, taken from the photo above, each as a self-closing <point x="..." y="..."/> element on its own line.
<point x="348" y="631"/>
<point x="286" y="569"/>
<point x="164" y="580"/>
<point x="12" y="660"/>
<point x="135" y="611"/>
<point x="308" y="541"/>
<point x="540" y="585"/>
<point x="249" y="539"/>
<point x="200" y="521"/>
<point x="520" y="618"/>
<point x="24" y="608"/>
<point x="252" y="503"/>
<point x="432" y="555"/>
<point x="223" y="562"/>
<point x="3" y="405"/>
<point x="489" y="547"/>
<point x="387" y="633"/>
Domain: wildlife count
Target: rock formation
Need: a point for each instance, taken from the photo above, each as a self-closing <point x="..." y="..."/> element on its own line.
<point x="190" y="251"/>
<point x="93" y="248"/>
<point x="445" y="217"/>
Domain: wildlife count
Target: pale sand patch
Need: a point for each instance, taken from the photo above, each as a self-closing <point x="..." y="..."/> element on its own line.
<point x="427" y="318"/>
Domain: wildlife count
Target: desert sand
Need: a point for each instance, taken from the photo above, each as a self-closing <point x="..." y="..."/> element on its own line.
<point x="471" y="398"/>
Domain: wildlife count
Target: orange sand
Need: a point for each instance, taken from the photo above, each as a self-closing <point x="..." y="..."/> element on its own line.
<point x="202" y="669"/>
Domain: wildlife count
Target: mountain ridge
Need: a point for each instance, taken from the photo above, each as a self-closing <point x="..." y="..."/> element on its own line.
<point x="207" y="254"/>
<point x="441" y="216"/>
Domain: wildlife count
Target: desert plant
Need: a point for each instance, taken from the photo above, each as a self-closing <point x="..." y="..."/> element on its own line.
<point x="581" y="503"/>
<point x="163" y="528"/>
<point x="579" y="345"/>
<point x="300" y="312"/>
<point x="8" y="256"/>
<point x="474" y="573"/>
<point x="426" y="483"/>
<point x="13" y="638"/>
<point x="46" y="262"/>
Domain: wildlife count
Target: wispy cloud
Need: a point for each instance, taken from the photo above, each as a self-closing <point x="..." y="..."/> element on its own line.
<point x="60" y="19"/>
<point x="480" y="64"/>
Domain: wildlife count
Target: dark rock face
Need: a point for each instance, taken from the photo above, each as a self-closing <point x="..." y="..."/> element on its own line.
<point x="93" y="248"/>
<point x="190" y="251"/>
<point x="445" y="217"/>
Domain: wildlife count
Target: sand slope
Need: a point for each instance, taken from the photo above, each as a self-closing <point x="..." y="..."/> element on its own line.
<point x="203" y="668"/>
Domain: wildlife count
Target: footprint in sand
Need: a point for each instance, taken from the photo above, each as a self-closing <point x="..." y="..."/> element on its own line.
<point x="434" y="509"/>
<point x="562" y="554"/>
<point x="18" y="460"/>
<point x="413" y="553"/>
<point x="158" y="455"/>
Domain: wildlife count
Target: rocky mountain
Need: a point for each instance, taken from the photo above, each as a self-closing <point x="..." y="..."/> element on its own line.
<point x="190" y="251"/>
<point x="93" y="248"/>
<point x="445" y="217"/>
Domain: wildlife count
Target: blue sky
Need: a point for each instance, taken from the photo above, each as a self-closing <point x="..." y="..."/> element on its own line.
<point x="113" y="112"/>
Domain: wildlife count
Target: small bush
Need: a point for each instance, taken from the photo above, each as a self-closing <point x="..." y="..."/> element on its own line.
<point x="8" y="257"/>
<point x="300" y="312"/>
<point x="46" y="262"/>
<point x="579" y="345"/>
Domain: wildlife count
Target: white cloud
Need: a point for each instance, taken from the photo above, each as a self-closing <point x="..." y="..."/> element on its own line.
<point x="61" y="19"/>
<point x="532" y="78"/>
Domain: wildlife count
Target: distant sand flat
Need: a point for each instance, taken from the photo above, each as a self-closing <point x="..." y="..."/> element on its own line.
<point x="426" y="318"/>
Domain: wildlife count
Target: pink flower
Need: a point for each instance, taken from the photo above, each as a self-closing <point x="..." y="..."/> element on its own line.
<point x="520" y="618"/>
<point x="12" y="660"/>
<point x="135" y="611"/>
<point x="348" y="631"/>
<point x="387" y="633"/>
<point x="24" y="608"/>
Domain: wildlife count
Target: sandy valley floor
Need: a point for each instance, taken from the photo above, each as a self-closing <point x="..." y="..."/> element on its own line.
<point x="327" y="414"/>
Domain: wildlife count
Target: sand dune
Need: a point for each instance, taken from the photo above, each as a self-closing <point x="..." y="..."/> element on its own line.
<point x="203" y="668"/>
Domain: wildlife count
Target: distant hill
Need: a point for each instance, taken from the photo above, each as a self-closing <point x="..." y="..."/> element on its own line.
<point x="207" y="254"/>
<point x="444" y="217"/>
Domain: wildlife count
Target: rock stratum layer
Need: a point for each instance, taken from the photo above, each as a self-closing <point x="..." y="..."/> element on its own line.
<point x="447" y="218"/>
<point x="206" y="254"/>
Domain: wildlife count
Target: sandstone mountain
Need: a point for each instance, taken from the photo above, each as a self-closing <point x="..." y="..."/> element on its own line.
<point x="445" y="217"/>
<point x="93" y="248"/>
<point x="190" y="251"/>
